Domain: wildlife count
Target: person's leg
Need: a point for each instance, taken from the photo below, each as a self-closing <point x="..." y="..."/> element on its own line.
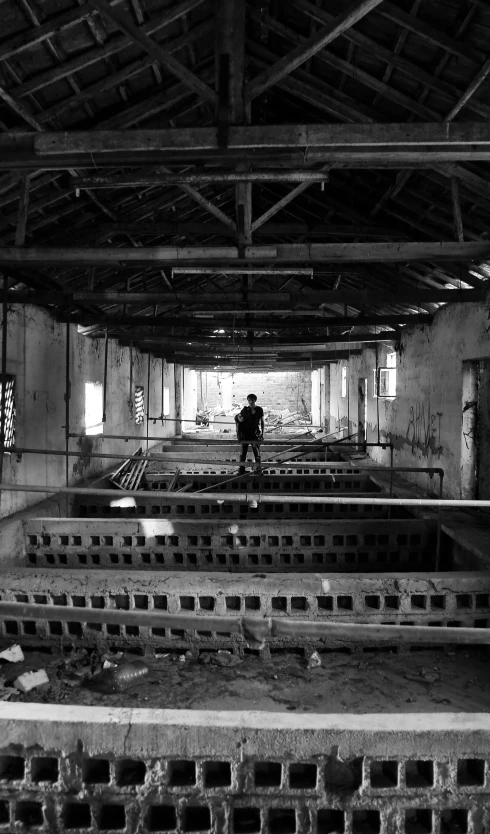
<point x="256" y="451"/>
<point x="243" y="458"/>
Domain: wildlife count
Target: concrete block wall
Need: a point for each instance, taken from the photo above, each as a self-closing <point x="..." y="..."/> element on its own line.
<point x="135" y="770"/>
<point x="36" y="356"/>
<point x="277" y="390"/>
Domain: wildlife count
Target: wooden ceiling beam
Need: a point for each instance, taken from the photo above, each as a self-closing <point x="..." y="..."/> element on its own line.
<point x="360" y="298"/>
<point x="310" y="47"/>
<point x="251" y="323"/>
<point x="365" y="138"/>
<point x="269" y="254"/>
<point x="205" y="228"/>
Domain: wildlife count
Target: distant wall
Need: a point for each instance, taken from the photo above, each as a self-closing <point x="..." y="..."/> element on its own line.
<point x="36" y="349"/>
<point x="277" y="390"/>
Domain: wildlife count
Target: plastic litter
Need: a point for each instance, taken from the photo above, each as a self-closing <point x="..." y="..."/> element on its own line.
<point x="119" y="678"/>
<point x="314" y="661"/>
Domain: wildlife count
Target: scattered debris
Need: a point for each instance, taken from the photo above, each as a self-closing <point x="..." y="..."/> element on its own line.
<point x="314" y="661"/>
<point x="130" y="473"/>
<point x="13" y="654"/>
<point x="31" y="680"/>
<point x="108" y="665"/>
<point x="119" y="678"/>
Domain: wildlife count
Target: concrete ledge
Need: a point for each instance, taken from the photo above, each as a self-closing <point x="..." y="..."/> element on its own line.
<point x="133" y="732"/>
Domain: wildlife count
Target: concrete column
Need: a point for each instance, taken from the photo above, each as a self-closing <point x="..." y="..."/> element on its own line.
<point x="179" y="397"/>
<point x="315" y="398"/>
<point x="189" y="399"/>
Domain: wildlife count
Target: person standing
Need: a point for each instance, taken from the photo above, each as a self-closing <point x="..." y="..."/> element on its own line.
<point x="250" y="431"/>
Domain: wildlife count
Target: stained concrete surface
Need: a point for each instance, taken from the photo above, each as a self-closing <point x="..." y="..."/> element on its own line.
<point x="422" y="681"/>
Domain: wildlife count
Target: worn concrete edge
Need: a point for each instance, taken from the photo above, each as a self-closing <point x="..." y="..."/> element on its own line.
<point x="203" y="733"/>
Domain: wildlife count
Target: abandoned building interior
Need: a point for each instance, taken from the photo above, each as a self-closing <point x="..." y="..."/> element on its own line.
<point x="201" y="200"/>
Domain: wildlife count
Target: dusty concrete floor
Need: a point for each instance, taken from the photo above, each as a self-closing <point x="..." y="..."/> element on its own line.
<point x="425" y="681"/>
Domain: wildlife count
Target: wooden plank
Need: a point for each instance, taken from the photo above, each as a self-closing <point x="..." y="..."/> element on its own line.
<point x="156" y="51"/>
<point x="312" y="45"/>
<point x="280" y="253"/>
<point x="20" y="232"/>
<point x="196" y="177"/>
<point x="344" y="137"/>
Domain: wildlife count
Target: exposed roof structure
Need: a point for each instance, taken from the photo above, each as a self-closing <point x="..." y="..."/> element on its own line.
<point x="260" y="176"/>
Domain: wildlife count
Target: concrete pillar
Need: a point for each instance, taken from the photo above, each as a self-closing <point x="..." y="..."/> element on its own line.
<point x="226" y="388"/>
<point x="189" y="399"/>
<point x="179" y="398"/>
<point x="315" y="399"/>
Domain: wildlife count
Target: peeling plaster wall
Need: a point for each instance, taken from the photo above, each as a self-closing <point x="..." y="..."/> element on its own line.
<point x="424" y="419"/>
<point x="36" y="350"/>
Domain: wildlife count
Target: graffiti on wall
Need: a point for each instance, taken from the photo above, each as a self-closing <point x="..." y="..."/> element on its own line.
<point x="424" y="429"/>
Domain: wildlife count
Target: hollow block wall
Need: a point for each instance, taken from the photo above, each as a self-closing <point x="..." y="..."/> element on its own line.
<point x="277" y="390"/>
<point x="424" y="419"/>
<point x="36" y="357"/>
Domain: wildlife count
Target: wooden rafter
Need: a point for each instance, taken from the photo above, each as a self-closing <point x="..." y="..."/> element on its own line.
<point x="310" y="47"/>
<point x="156" y="51"/>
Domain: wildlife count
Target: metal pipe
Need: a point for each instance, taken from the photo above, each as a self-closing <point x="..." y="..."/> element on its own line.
<point x="200" y="178"/>
<point x="257" y="628"/>
<point x="67" y="404"/>
<point x="249" y="497"/>
<point x="212" y="270"/>
<point x="162" y="456"/>
<point x="438" y="542"/>
<point x="3" y="398"/>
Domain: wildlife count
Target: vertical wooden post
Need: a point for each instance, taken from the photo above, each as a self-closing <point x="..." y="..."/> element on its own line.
<point x="458" y="220"/>
<point x="20" y="232"/>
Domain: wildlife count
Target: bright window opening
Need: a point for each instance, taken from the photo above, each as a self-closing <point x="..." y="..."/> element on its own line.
<point x="166" y="402"/>
<point x="384" y="384"/>
<point x="139" y="404"/>
<point x="344" y="381"/>
<point x="9" y="411"/>
<point x="94" y="407"/>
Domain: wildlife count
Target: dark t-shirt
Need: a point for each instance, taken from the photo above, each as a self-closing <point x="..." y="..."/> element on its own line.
<point x="250" y="427"/>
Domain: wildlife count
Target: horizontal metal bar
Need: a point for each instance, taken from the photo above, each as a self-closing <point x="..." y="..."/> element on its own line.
<point x="199" y="177"/>
<point x="248" y="497"/>
<point x="252" y="629"/>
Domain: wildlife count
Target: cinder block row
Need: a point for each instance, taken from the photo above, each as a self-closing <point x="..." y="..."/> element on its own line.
<point x="436" y="600"/>
<point x="103" y="769"/>
<point x="195" y="544"/>
<point x="282" y="483"/>
<point x="274" y="468"/>
<point x="397" y="775"/>
<point x="150" y="507"/>
<point x="245" y="816"/>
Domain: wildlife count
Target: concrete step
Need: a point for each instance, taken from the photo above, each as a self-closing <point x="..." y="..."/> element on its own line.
<point x="195" y="544"/>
